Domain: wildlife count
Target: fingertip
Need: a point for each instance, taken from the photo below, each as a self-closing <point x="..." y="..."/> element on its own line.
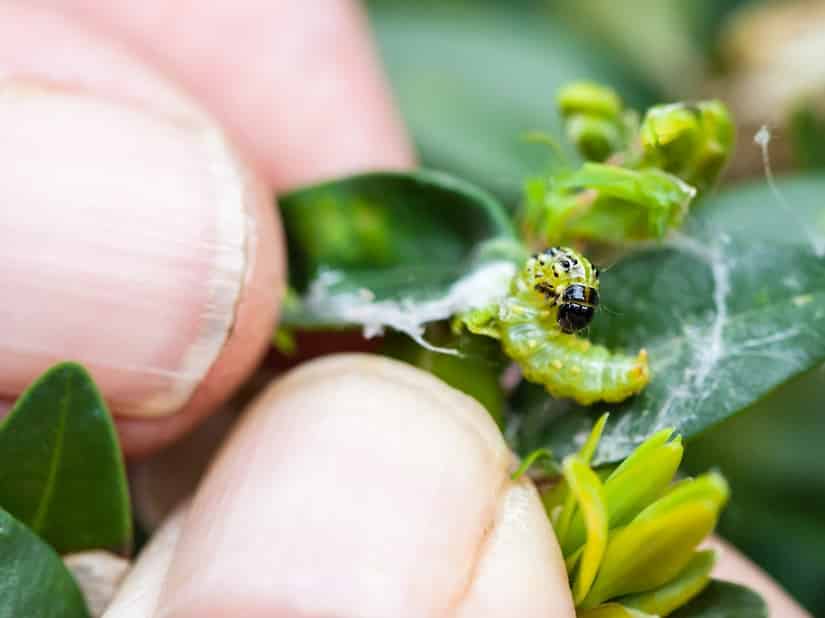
<point x="369" y="488"/>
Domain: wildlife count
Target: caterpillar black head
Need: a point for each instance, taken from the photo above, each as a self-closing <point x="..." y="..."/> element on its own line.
<point x="569" y="281"/>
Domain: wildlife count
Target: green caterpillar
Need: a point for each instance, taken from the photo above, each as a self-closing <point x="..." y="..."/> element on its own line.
<point x="554" y="296"/>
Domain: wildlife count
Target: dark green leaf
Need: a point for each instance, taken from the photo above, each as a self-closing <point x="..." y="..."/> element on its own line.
<point x="728" y="311"/>
<point x="61" y="470"/>
<point x="388" y="248"/>
<point x="775" y="450"/>
<point x="34" y="583"/>
<point x="472" y="80"/>
<point x="724" y="600"/>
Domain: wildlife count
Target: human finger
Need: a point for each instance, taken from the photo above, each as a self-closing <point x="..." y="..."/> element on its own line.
<point x="135" y="240"/>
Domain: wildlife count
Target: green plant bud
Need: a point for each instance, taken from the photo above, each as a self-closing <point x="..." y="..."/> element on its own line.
<point x="593" y="119"/>
<point x="612" y="610"/>
<point x="596" y="138"/>
<point x="588" y="491"/>
<point x="688" y="584"/>
<point x="635" y="484"/>
<point x="692" y="141"/>
<point x="658" y="544"/>
<point x="588" y="98"/>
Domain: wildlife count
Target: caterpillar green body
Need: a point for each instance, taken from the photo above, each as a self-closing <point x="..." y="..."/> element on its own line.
<point x="554" y="296"/>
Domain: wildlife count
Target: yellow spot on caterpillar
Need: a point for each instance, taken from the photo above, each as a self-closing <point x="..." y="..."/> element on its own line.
<point x="585" y="345"/>
<point x="531" y="343"/>
<point x="576" y="370"/>
<point x="557" y="364"/>
<point x="802" y="300"/>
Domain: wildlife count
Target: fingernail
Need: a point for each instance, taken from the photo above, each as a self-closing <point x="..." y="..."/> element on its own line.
<point x="128" y="227"/>
<point x="356" y="486"/>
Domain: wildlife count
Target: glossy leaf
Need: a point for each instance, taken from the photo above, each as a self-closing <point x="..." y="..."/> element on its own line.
<point x="729" y="310"/>
<point x="775" y="449"/>
<point x="61" y="470"/>
<point x="724" y="600"/>
<point x="34" y="583"/>
<point x="393" y="249"/>
<point x="473" y="78"/>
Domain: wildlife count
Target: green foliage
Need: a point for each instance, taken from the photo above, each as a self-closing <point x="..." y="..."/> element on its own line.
<point x="374" y="249"/>
<point x="728" y="311"/>
<point x="61" y="470"/>
<point x="34" y="583"/>
<point x="629" y="541"/>
<point x="772" y="455"/>
<point x="639" y="181"/>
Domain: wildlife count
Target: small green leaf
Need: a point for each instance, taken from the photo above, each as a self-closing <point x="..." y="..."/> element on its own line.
<point x="676" y="593"/>
<point x="34" y="583"/>
<point x="61" y="469"/>
<point x="636" y="483"/>
<point x="587" y="489"/>
<point x="728" y="310"/>
<point x="658" y="544"/>
<point x="724" y="600"/>
<point x="394" y="249"/>
<point x="650" y="552"/>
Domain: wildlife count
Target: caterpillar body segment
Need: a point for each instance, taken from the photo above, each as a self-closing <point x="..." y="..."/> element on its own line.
<point x="551" y="298"/>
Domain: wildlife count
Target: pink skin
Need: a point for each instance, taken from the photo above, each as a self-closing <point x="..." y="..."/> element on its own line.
<point x="144" y="284"/>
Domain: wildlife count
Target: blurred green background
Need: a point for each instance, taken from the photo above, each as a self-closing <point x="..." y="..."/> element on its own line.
<point x="472" y="78"/>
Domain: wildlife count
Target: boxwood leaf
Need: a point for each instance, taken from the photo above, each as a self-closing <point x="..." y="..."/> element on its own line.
<point x="724" y="600"/>
<point x="728" y="310"/>
<point x="33" y="580"/>
<point x="394" y="249"/>
<point x="472" y="79"/>
<point x="61" y="469"/>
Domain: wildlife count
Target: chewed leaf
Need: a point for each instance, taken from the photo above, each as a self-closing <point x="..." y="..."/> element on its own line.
<point x="673" y="595"/>
<point x="392" y="249"/>
<point x="728" y="310"/>
<point x="587" y="489"/>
